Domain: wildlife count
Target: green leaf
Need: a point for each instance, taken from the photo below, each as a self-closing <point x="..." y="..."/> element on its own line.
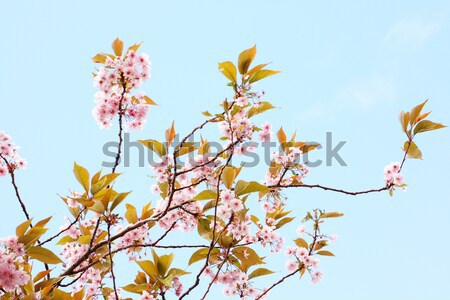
<point x="261" y="74"/>
<point x="324" y="253"/>
<point x="426" y="125"/>
<point x="245" y="59"/>
<point x="228" y="69"/>
<point x="44" y="255"/>
<point x="243" y="187"/>
<point x="413" y="150"/>
<point x="259" y="108"/>
<point x="117" y="46"/>
<point x="82" y="175"/>
<point x="155" y="146"/>
<point x="259" y="272"/>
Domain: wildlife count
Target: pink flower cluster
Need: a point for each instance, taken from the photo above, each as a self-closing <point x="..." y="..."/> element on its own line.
<point x="392" y="174"/>
<point x="185" y="218"/>
<point x="265" y="135"/>
<point x="134" y="237"/>
<point x="91" y="280"/>
<point x="9" y="158"/>
<point x="268" y="236"/>
<point x="229" y="204"/>
<point x="236" y="283"/>
<point x="115" y="80"/>
<point x="12" y="275"/>
<point x="237" y="126"/>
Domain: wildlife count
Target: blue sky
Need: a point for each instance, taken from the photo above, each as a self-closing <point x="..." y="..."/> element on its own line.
<point x="348" y="67"/>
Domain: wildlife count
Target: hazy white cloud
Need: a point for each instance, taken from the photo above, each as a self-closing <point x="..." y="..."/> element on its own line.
<point x="408" y="34"/>
<point x="357" y="96"/>
<point x="411" y="33"/>
<point x="364" y="93"/>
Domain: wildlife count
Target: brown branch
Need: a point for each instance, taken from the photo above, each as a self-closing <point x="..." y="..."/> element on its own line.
<point x="311" y="186"/>
<point x="16" y="188"/>
<point x="64" y="230"/>
<point x="119" y="147"/>
<point x="213" y="242"/>
<point x="217" y="274"/>
<point x="277" y="283"/>
<point x="111" y="261"/>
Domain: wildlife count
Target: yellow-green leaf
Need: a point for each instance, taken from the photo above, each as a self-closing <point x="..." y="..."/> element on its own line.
<point x="261" y="74"/>
<point x="201" y="254"/>
<point x="332" y="214"/>
<point x="243" y="187"/>
<point x="118" y="199"/>
<point x="149" y="101"/>
<point x="43" y="254"/>
<point x="131" y="214"/>
<point x="99" y="58"/>
<point x="206" y="195"/>
<point x="155" y="146"/>
<point x="134" y="47"/>
<point x="404" y="120"/>
<point x="426" y="125"/>
<point x="148" y="267"/>
<point x="415" y="112"/>
<point x="413" y="150"/>
<point x="228" y="176"/>
<point x="259" y="108"/>
<point x="281" y="136"/>
<point x="170" y="134"/>
<point x="245" y="59"/>
<point x="82" y="175"/>
<point x="259" y="272"/>
<point x="324" y="253"/>
<point x="117" y="46"/>
<point x="22" y="228"/>
<point x="301" y="243"/>
<point x="229" y="70"/>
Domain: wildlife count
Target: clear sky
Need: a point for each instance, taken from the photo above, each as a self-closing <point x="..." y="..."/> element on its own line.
<point x="348" y="67"/>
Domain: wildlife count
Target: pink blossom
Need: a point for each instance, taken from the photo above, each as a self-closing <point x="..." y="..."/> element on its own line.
<point x="291" y="265"/>
<point x="316" y="276"/>
<point x="301" y="230"/>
